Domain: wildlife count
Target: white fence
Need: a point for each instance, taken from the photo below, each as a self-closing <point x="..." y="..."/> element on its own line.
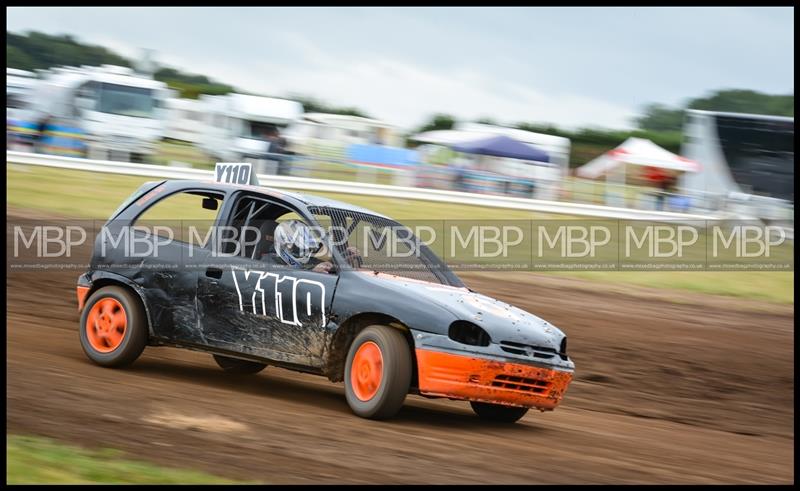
<point x="346" y="187"/>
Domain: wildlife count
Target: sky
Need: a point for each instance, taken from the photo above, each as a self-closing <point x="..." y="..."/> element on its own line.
<point x="571" y="66"/>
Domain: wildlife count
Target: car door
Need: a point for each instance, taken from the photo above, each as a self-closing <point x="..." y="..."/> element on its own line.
<point x="160" y="252"/>
<point x="257" y="306"/>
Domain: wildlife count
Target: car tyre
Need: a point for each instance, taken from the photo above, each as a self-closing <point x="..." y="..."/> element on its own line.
<point x="378" y="372"/>
<point x="113" y="327"/>
<point x="235" y="365"/>
<point x="498" y="412"/>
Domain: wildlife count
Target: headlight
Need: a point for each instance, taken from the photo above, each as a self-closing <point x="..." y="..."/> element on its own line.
<point x="468" y="333"/>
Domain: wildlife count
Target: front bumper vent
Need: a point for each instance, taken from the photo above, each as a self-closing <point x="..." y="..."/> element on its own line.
<point x="523" y="384"/>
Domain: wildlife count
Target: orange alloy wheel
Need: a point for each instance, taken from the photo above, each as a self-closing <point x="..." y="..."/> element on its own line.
<point x="106" y="324"/>
<point x="367" y="371"/>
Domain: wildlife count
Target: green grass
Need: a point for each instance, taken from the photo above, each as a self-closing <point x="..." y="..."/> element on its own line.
<point x="169" y="151"/>
<point x="770" y="286"/>
<point x="36" y="460"/>
<point x="89" y="195"/>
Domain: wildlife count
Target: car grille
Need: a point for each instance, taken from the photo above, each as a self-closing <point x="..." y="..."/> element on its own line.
<point x="523" y="384"/>
<point x="527" y="349"/>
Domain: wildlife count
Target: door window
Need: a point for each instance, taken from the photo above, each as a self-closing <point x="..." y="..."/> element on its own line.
<point x="185" y="217"/>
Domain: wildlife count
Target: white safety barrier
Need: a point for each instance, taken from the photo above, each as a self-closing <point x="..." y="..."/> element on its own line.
<point x="347" y="187"/>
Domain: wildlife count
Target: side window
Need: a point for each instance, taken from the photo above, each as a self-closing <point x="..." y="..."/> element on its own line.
<point x="276" y="235"/>
<point x="186" y="216"/>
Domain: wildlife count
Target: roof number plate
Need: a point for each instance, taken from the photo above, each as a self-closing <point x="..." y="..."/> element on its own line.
<point x="235" y="173"/>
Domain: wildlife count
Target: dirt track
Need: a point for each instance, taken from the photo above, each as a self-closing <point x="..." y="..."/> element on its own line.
<point x="665" y="393"/>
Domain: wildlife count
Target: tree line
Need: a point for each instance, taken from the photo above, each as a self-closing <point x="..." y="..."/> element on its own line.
<point x="35" y="50"/>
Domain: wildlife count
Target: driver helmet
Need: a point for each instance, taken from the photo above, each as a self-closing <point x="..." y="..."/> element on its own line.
<point x="295" y="243"/>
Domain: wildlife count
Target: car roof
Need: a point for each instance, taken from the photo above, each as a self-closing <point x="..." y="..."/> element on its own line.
<point x="297" y="199"/>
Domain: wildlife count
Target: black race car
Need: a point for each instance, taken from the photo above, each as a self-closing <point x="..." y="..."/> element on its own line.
<point x="264" y="290"/>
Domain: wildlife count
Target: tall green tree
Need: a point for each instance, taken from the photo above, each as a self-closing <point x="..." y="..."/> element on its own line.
<point x="438" y="122"/>
<point x="190" y="85"/>
<point x="486" y="120"/>
<point x="658" y="117"/>
<point x="312" y="105"/>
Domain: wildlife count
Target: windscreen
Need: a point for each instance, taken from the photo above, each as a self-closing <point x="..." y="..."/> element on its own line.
<point x="126" y="101"/>
<point x="257" y="130"/>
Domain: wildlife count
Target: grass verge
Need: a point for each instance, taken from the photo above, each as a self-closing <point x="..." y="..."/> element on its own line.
<point x="36" y="460"/>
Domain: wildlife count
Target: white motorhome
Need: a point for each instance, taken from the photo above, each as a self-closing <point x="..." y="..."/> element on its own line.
<point x="120" y="111"/>
<point x="236" y="125"/>
<point x="314" y="129"/>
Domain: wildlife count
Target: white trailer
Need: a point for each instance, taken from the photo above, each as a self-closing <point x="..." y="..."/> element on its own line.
<point x="186" y="120"/>
<point x="236" y="125"/>
<point x="121" y="112"/>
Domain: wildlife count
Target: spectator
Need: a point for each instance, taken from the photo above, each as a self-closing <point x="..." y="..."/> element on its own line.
<point x="41" y="130"/>
<point x="276" y="144"/>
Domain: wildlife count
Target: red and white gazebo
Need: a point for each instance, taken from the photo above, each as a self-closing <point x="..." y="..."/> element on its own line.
<point x="636" y="151"/>
<point x="654" y="162"/>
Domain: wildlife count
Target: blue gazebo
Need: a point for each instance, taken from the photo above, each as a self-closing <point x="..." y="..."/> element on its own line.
<point x="490" y="181"/>
<point x="502" y="146"/>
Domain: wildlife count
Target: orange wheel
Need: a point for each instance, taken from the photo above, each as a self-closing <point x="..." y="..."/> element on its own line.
<point x="377" y="372"/>
<point x="114" y="328"/>
<point x="367" y="371"/>
<point x="106" y="324"/>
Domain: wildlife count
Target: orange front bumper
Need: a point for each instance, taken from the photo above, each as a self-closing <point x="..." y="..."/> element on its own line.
<point x="480" y="379"/>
